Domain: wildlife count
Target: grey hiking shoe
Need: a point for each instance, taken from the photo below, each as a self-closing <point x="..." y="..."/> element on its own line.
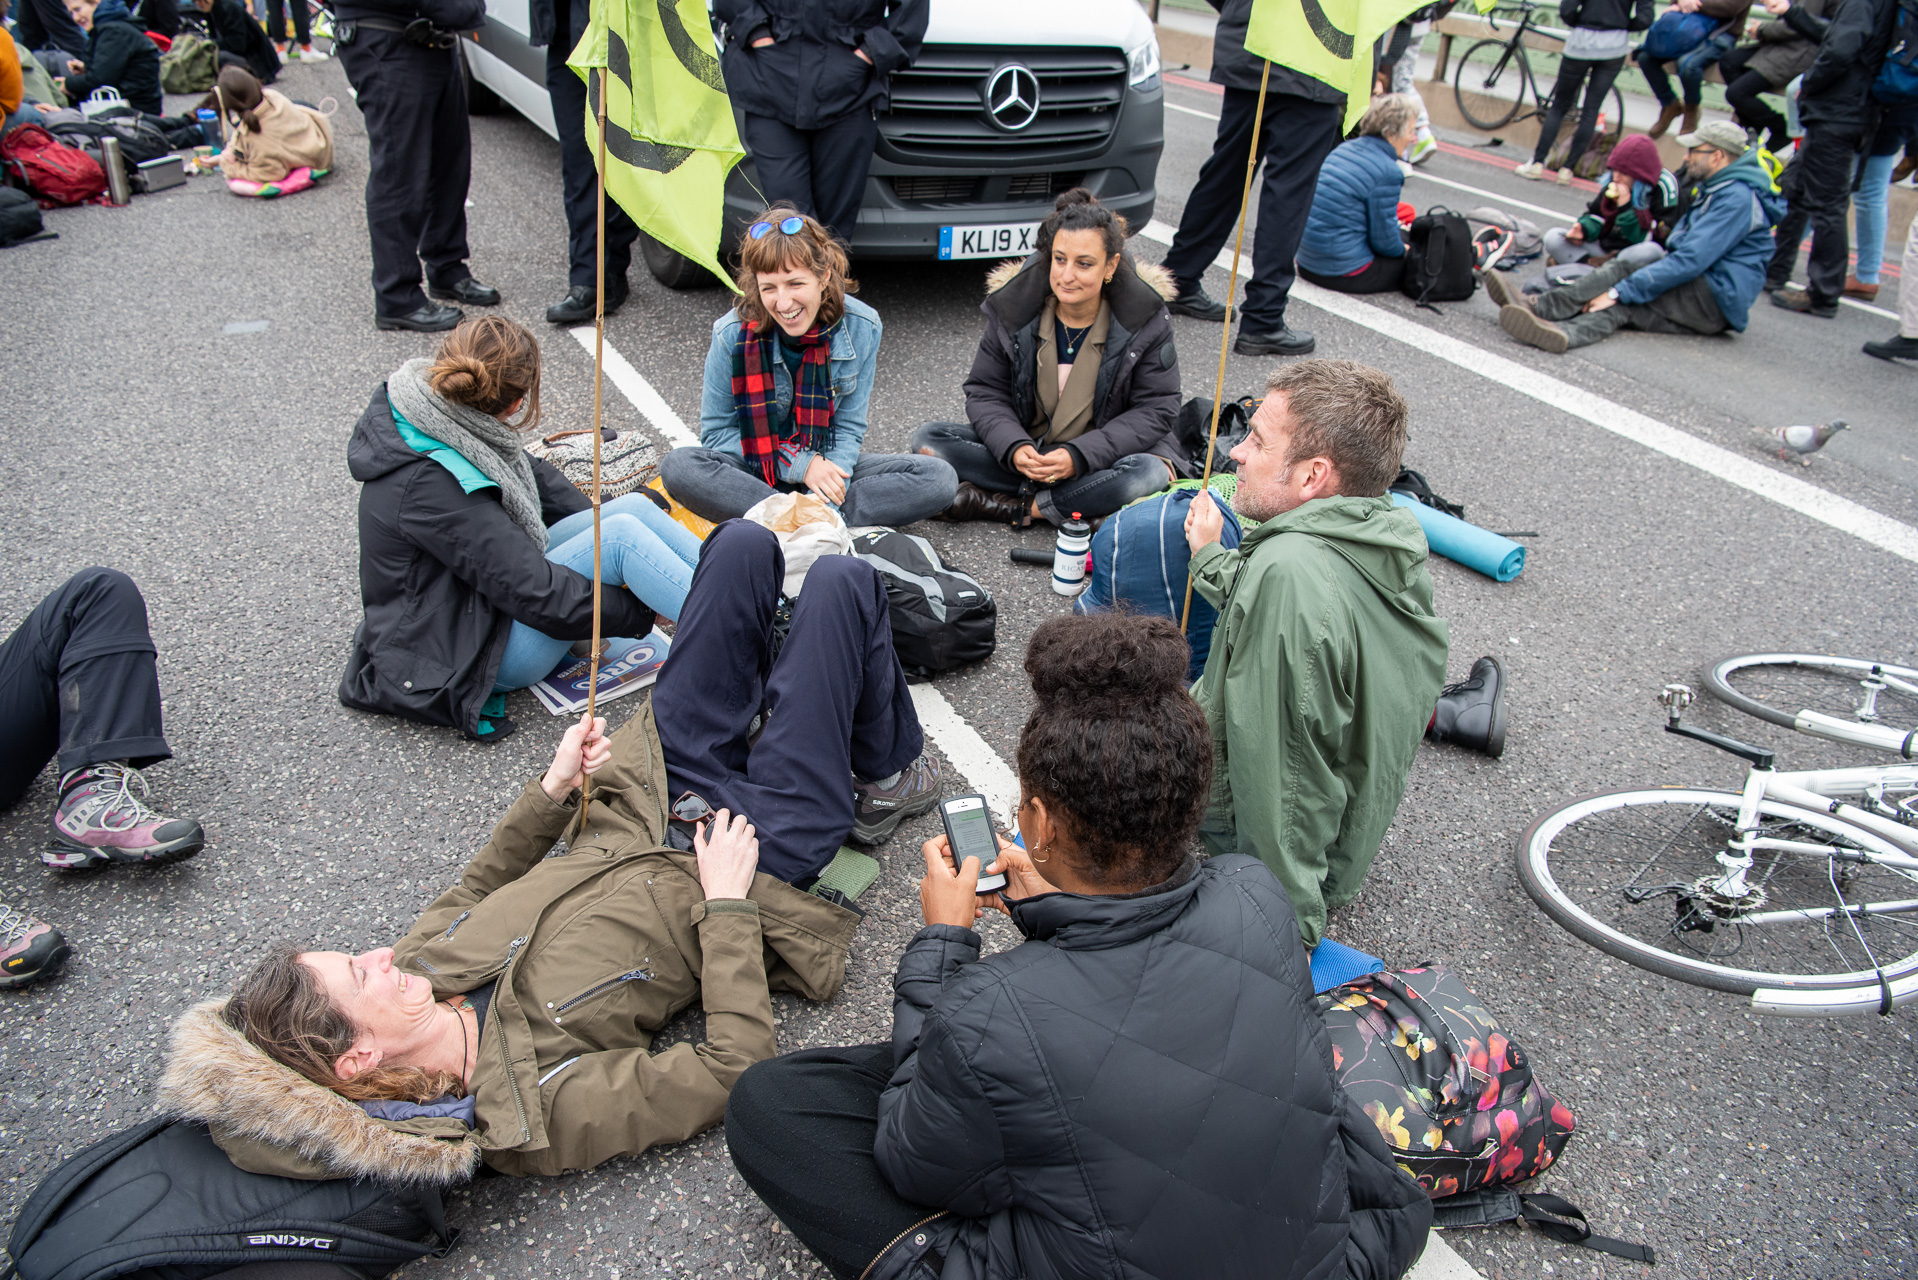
<point x="30" y="949"/>
<point x="1471" y="713"/>
<point x="881" y="806"/>
<point x="100" y="820"/>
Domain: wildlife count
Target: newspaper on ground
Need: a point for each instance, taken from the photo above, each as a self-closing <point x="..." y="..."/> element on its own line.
<point x="624" y="667"/>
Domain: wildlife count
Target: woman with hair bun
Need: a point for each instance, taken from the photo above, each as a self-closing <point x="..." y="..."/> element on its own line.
<point x="476" y="558"/>
<point x="1073" y="401"/>
<point x="788" y="378"/>
<point x="1140" y="1088"/>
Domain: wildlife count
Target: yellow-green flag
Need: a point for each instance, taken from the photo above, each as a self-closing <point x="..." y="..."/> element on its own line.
<point x="670" y="137"/>
<point x="1329" y="40"/>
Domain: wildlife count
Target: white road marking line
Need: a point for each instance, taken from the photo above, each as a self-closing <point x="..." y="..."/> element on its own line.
<point x="969" y="752"/>
<point x="639" y="393"/>
<point x="1191" y="111"/>
<point x="1806" y="499"/>
<point x="1493" y="195"/>
<point x="987" y="774"/>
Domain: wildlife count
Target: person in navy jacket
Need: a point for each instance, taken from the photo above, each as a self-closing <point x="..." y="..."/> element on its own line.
<point x="1352" y="241"/>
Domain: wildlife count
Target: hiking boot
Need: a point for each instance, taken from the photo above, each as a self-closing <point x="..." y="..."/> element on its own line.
<point x="1666" y="114"/>
<point x="1530" y="169"/>
<point x="1525" y="325"/>
<point x="29" y="949"/>
<point x="1896" y="348"/>
<point x="1281" y="341"/>
<point x="1498" y="287"/>
<point x="1198" y="305"/>
<point x="882" y="805"/>
<point x="1800" y="300"/>
<point x="1471" y="713"/>
<point x="99" y="820"/>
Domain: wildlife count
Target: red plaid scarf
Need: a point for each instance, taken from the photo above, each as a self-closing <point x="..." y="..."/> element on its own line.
<point x="753" y="360"/>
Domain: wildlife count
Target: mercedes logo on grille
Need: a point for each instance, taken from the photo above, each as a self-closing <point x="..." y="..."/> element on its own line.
<point x="1012" y="97"/>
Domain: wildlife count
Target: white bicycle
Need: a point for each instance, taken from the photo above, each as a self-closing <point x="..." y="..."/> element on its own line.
<point x="1800" y="891"/>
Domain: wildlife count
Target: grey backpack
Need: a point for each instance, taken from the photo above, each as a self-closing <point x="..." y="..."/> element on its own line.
<point x="941" y="618"/>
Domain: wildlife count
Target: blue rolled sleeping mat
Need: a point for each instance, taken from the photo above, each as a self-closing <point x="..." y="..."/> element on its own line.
<point x="1469" y="545"/>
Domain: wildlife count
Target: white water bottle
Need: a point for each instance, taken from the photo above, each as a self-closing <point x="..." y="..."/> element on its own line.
<point x="1069" y="556"/>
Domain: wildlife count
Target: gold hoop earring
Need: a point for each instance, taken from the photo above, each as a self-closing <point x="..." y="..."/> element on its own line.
<point x="1109" y="278"/>
<point x="1033" y="851"/>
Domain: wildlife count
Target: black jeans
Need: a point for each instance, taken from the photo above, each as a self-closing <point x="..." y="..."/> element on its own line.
<point x="1296" y="136"/>
<point x="419" y="163"/>
<point x="835" y="700"/>
<point x="800" y="1129"/>
<point x="276" y="21"/>
<point x="78" y="678"/>
<point x="1742" y="88"/>
<point x="1597" y="77"/>
<point x="820" y="171"/>
<point x="1098" y="494"/>
<point x="1381" y="275"/>
<point x="579" y="179"/>
<point x="1817" y="182"/>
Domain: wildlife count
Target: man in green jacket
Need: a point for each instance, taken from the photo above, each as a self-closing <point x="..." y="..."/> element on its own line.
<point x="1326" y="658"/>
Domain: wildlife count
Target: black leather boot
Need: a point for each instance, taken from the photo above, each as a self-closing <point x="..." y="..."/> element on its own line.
<point x="971" y="502"/>
<point x="1471" y="713"/>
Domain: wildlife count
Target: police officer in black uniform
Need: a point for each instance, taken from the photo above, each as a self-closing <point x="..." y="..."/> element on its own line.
<point x="403" y="60"/>
<point x="559" y="24"/>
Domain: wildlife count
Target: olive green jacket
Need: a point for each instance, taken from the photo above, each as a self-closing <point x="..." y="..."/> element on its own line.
<point x="594" y="951"/>
<point x="1325" y="664"/>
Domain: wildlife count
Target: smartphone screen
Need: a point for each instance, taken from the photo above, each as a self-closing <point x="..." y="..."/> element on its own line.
<point x="969" y="831"/>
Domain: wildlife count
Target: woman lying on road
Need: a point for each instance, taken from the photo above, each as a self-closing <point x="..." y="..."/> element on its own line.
<point x="476" y="558"/>
<point x="1073" y="399"/>
<point x="788" y="378"/>
<point x="513" y="1023"/>
<point x="1140" y="1088"/>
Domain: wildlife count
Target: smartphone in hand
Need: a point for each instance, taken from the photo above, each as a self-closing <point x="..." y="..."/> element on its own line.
<point x="969" y="833"/>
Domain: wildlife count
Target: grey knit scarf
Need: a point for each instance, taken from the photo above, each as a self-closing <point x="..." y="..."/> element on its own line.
<point x="483" y="440"/>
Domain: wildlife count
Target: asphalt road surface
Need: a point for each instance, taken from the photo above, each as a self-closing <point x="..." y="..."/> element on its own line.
<point x="210" y="465"/>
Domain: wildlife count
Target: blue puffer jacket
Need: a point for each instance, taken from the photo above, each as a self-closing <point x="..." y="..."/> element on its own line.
<point x="1355" y="209"/>
<point x="1725" y="237"/>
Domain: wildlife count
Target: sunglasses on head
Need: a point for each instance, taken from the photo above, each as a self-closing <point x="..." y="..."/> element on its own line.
<point x="787" y="226"/>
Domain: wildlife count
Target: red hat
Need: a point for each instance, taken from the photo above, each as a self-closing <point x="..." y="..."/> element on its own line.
<point x="1636" y="156"/>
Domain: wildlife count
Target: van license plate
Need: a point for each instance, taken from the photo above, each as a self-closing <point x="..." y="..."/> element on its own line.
<point x="1009" y="239"/>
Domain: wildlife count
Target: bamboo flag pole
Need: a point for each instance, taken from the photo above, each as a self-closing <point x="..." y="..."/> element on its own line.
<point x="599" y="382"/>
<point x="1225" y="338"/>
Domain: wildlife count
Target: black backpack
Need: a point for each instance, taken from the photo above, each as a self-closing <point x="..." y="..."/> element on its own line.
<point x="1439" y="258"/>
<point x="20" y="218"/>
<point x="160" y="1201"/>
<point x="941" y="618"/>
<point x="140" y="139"/>
<point x="1195" y="425"/>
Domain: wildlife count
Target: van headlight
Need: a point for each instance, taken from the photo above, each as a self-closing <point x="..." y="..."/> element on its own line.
<point x="1143" y="64"/>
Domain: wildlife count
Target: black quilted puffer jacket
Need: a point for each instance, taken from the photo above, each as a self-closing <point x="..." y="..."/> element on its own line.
<point x="1138" y="1090"/>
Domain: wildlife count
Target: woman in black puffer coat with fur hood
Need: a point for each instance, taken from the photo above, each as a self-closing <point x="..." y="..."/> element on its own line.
<point x="1073" y="400"/>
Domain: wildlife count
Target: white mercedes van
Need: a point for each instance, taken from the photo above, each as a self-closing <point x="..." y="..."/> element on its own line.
<point x="1010" y="103"/>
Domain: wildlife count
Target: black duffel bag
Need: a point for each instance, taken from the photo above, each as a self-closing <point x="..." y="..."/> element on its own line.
<point x="161" y="1201"/>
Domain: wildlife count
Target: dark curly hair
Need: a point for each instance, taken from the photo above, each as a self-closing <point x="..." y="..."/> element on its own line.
<point x="1080" y="210"/>
<point x="1116" y="748"/>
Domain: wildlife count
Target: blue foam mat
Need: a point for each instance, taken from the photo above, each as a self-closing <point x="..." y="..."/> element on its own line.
<point x="1334" y="963"/>
<point x="1469" y="545"/>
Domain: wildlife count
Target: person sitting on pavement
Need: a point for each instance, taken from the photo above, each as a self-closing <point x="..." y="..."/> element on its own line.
<point x="476" y="558"/>
<point x="1838" y="109"/>
<point x="1352" y="239"/>
<point x="79" y="685"/>
<point x="1705" y="283"/>
<point x="269" y="135"/>
<point x="1019" y="1120"/>
<point x="1040" y="443"/>
<point x="1629" y="215"/>
<point x="45" y="25"/>
<point x="1326" y="660"/>
<point x="1903" y="345"/>
<point x="789" y="376"/>
<point x="513" y="1024"/>
<point x="242" y="41"/>
<point x="118" y="55"/>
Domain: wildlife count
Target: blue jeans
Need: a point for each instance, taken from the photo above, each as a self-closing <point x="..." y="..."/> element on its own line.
<point x="1868" y="211"/>
<point x="1101" y="493"/>
<point x="641" y="548"/>
<point x="1691" y="69"/>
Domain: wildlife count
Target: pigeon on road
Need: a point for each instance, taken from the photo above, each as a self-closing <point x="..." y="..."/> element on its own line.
<point x="1800" y="441"/>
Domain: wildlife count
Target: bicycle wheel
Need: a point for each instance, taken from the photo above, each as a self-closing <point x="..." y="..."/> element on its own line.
<point x="1778" y="686"/>
<point x="1490" y="82"/>
<point x="1635" y="874"/>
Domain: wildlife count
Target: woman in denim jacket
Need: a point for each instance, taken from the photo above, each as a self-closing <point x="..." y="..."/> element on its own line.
<point x="788" y="378"/>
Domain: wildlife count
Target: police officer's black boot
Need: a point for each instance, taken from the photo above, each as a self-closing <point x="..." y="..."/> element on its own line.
<point x="577" y="306"/>
<point x="430" y="317"/>
<point x="1471" y="713"/>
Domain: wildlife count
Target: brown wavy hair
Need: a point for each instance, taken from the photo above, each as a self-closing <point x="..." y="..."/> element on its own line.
<point x="283" y="1012"/>
<point x="812" y="248"/>
<point x="1116" y="748"/>
<point x="239" y="93"/>
<point x="487" y="364"/>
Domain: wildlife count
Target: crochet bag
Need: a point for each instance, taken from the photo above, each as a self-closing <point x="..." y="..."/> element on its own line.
<point x="625" y="462"/>
<point x="1454" y="1096"/>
